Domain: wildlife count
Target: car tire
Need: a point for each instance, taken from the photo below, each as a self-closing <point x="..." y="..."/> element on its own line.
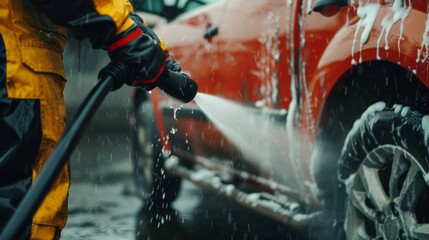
<point x="384" y="169"/>
<point x="153" y="184"/>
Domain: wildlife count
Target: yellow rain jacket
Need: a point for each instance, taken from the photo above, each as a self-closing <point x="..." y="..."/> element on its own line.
<point x="34" y="33"/>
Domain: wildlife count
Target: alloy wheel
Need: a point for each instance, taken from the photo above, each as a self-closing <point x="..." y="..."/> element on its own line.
<point x="387" y="197"/>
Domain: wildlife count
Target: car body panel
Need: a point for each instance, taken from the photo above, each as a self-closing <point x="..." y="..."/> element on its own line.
<point x="338" y="54"/>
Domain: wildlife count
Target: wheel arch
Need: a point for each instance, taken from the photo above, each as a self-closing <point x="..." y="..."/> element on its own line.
<point x="358" y="88"/>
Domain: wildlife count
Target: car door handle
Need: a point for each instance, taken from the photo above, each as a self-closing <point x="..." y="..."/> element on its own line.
<point x="211" y="31"/>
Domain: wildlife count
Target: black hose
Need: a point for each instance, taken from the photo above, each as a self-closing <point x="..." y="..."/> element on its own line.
<point x="110" y="78"/>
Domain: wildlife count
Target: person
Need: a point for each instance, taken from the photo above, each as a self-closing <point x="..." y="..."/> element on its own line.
<point x="32" y="110"/>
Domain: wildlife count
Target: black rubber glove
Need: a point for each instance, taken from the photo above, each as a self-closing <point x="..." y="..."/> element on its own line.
<point x="171" y="64"/>
<point x="148" y="61"/>
<point x="143" y="54"/>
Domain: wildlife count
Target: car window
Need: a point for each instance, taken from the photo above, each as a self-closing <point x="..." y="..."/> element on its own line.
<point x="169" y="8"/>
<point x="189" y="5"/>
<point x="150" y="6"/>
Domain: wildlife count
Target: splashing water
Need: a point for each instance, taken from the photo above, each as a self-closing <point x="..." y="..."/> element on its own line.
<point x="257" y="134"/>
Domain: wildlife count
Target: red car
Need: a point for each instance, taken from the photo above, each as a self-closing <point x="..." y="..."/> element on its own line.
<point x="311" y="112"/>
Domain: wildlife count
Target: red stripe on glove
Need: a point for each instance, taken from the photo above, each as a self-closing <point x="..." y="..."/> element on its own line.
<point x="146" y="81"/>
<point x="124" y="41"/>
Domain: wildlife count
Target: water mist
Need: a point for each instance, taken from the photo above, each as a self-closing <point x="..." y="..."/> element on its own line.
<point x="259" y="137"/>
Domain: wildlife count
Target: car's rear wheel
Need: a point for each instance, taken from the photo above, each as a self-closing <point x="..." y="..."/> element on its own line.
<point x="384" y="166"/>
<point x="152" y="183"/>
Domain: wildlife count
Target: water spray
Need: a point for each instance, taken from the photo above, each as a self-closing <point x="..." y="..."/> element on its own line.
<point x="259" y="134"/>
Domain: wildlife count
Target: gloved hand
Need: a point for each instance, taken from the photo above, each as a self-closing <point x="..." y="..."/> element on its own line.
<point x="143" y="51"/>
<point x="143" y="54"/>
<point x="170" y="62"/>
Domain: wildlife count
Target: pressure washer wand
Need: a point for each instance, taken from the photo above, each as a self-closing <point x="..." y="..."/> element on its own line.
<point x="110" y="78"/>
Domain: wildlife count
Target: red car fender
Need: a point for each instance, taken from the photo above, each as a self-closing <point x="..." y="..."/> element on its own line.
<point x="338" y="56"/>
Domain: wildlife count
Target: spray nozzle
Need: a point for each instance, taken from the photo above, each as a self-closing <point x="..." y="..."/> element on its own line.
<point x="179" y="85"/>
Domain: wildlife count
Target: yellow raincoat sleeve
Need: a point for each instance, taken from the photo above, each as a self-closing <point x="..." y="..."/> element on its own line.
<point x="99" y="20"/>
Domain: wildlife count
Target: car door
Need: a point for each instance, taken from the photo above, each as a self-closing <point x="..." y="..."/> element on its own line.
<point x="251" y="56"/>
<point x="237" y="50"/>
<point x="253" y="66"/>
<point x="185" y="37"/>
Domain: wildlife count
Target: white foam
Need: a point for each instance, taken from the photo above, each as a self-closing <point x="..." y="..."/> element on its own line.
<point x="398" y="11"/>
<point x="423" y="52"/>
<point x="425" y="127"/>
<point x="367" y="14"/>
